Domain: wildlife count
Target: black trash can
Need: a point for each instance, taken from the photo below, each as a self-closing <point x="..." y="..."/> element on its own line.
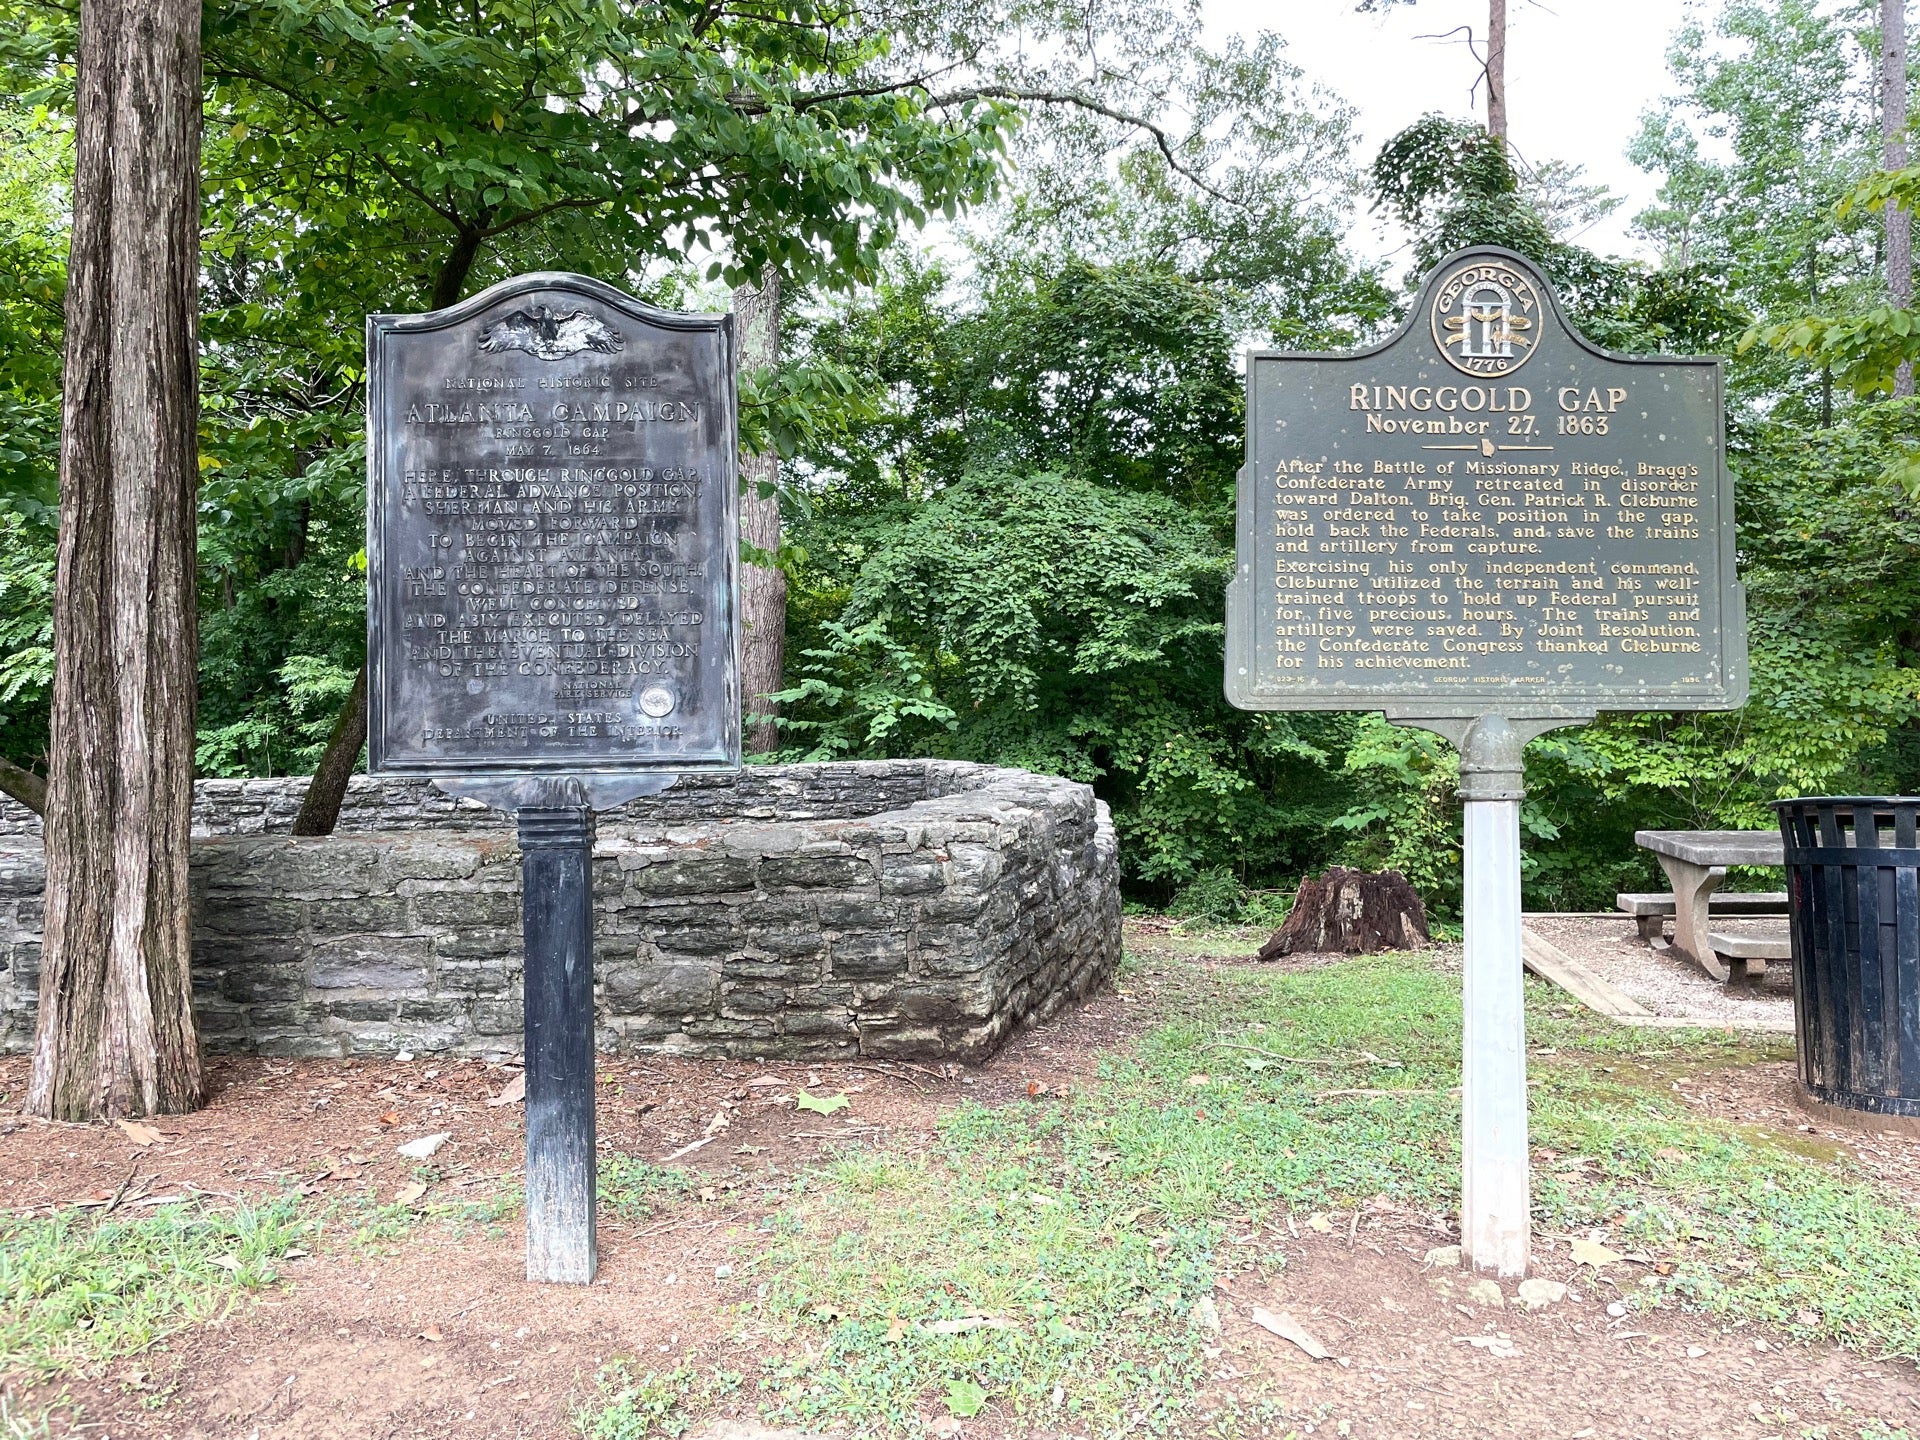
<point x="1853" y="888"/>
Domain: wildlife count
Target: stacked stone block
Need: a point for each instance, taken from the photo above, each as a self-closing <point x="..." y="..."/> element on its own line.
<point x="904" y="909"/>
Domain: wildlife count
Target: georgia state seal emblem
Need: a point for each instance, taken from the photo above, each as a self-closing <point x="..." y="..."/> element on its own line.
<point x="1485" y="318"/>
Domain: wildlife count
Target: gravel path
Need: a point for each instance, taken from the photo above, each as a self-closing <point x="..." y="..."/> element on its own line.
<point x="1662" y="982"/>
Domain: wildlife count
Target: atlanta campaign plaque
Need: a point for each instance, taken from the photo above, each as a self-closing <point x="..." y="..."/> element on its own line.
<point x="1485" y="514"/>
<point x="551" y="536"/>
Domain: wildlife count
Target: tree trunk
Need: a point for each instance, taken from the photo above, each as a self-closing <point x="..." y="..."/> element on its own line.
<point x="763" y="588"/>
<point x="23" y="785"/>
<point x="1893" y="127"/>
<point x="116" y="1033"/>
<point x="1349" y="912"/>
<point x="320" y="806"/>
<point x="1497" y="68"/>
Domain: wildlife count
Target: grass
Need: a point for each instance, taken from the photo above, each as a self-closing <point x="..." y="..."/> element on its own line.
<point x="1051" y="1258"/>
<point x="75" y="1291"/>
<point x="631" y="1188"/>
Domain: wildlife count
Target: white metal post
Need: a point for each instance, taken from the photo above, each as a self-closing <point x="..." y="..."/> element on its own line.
<point x="1495" y="1194"/>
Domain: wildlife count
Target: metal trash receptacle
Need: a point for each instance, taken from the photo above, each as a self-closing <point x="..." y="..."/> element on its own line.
<point x="1853" y="889"/>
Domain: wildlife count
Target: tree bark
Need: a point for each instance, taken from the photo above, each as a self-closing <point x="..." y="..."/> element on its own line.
<point x="763" y="589"/>
<point x="116" y="1032"/>
<point x="23" y="785"/>
<point x="1497" y="68"/>
<point x="1893" y="132"/>
<point x="1350" y="912"/>
<point x="320" y="806"/>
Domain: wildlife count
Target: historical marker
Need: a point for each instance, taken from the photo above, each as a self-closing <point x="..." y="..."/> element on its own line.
<point x="552" y="546"/>
<point x="1486" y="527"/>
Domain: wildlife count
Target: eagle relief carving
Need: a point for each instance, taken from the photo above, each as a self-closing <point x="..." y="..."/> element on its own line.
<point x="541" y="332"/>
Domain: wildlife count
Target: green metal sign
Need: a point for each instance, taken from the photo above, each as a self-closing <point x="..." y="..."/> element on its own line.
<point x="1486" y="513"/>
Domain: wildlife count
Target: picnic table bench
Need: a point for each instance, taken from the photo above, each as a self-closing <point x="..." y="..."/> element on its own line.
<point x="1696" y="863"/>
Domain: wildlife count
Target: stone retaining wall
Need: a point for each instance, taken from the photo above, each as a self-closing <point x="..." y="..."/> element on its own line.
<point x="909" y="909"/>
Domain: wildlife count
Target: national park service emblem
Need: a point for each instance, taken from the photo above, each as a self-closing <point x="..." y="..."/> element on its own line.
<point x="1486" y="317"/>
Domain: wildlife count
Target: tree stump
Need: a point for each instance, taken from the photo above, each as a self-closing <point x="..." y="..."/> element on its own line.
<point x="1351" y="912"/>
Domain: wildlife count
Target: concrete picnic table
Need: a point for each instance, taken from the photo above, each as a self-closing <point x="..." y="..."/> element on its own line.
<point x="1696" y="862"/>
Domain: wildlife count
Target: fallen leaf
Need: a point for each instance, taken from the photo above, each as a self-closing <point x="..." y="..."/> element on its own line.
<point x="721" y="1120"/>
<point x="1806" y="1317"/>
<point x="141" y="1135"/>
<point x="342" y="1172"/>
<point x="1198" y="1080"/>
<point x="765" y="1082"/>
<point x="511" y="1093"/>
<point x="1319" y="1223"/>
<point x="427" y="1146"/>
<point x="407" y="1194"/>
<point x="964" y="1323"/>
<point x="965" y="1399"/>
<point x="97" y="1197"/>
<point x="1288" y="1328"/>
<point x="229" y="1263"/>
<point x="432" y="1333"/>
<point x="1496" y="1345"/>
<point x="392" y="1117"/>
<point x="820" y="1104"/>
<point x="896" y="1330"/>
<point x="1207" y="1314"/>
<point x="1667" y="1152"/>
<point x="1256" y="1064"/>
<point x="1586" y="1252"/>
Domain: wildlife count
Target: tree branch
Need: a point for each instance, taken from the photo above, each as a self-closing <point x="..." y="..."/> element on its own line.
<point x="23" y="785"/>
<point x="1088" y="103"/>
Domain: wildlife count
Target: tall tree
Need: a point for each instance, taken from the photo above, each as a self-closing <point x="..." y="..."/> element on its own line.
<point x="1497" y="68"/>
<point x="1893" y="131"/>
<point x="1493" y="69"/>
<point x="461" y="144"/>
<point x="763" y="584"/>
<point x="116" y="1032"/>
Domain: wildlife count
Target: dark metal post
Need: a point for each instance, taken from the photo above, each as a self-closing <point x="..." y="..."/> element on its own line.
<point x="556" y="874"/>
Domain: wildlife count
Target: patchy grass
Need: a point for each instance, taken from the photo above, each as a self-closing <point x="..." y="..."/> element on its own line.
<point x="631" y="1188"/>
<point x="659" y="1402"/>
<point x="75" y="1291"/>
<point x="1048" y="1260"/>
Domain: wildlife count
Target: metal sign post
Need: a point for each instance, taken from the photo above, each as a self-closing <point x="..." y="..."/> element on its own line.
<point x="1495" y="1185"/>
<point x="1486" y="527"/>
<point x="552" y="544"/>
<point x="556" y="874"/>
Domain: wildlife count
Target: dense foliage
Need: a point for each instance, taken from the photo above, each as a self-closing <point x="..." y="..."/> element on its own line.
<point x="1011" y="507"/>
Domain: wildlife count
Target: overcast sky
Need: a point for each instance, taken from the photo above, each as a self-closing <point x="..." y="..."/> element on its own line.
<point x="1579" y="74"/>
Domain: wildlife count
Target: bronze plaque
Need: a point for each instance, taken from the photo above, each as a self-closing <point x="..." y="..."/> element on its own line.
<point x="551" y="536"/>
<point x="1485" y="514"/>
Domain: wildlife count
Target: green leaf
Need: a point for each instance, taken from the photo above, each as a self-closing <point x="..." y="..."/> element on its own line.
<point x="821" y="1105"/>
<point x="965" y="1399"/>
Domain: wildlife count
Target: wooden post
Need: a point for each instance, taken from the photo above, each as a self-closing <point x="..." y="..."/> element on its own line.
<point x="556" y="874"/>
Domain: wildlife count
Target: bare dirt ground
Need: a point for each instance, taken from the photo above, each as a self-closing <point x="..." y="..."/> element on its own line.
<point x="437" y="1335"/>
